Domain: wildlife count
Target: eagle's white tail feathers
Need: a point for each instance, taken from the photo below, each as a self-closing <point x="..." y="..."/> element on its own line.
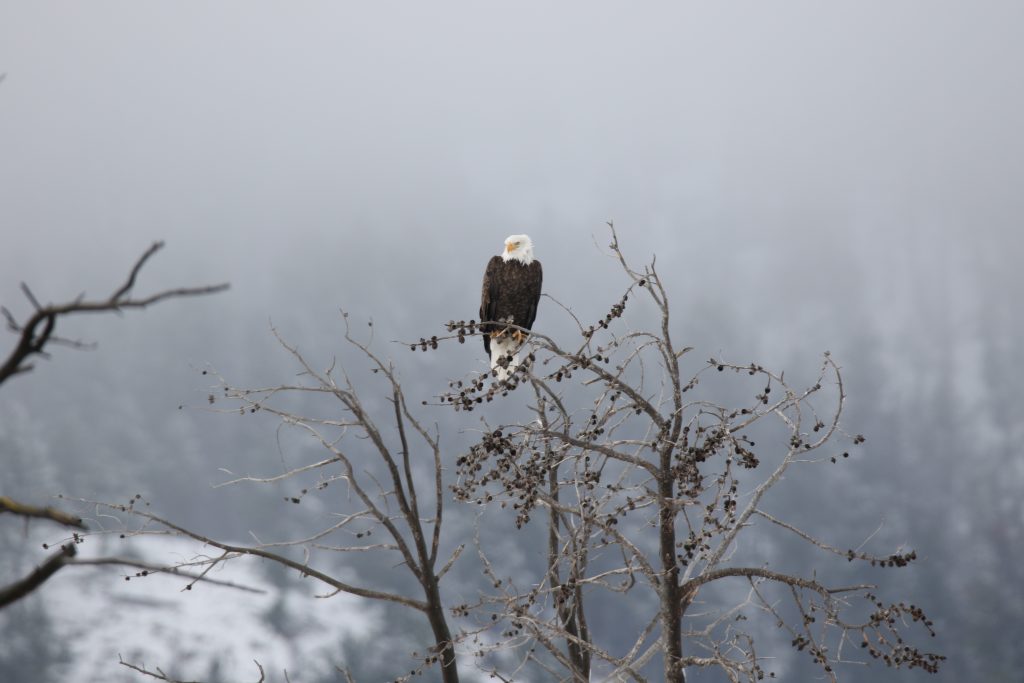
<point x="500" y="348"/>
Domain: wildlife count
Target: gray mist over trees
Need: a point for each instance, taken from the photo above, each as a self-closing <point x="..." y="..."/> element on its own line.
<point x="811" y="177"/>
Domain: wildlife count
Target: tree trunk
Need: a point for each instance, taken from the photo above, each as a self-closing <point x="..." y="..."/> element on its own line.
<point x="571" y="611"/>
<point x="671" y="616"/>
<point x="439" y="625"/>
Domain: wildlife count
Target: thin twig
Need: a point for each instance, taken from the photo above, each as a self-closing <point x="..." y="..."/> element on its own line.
<point x="37" y="332"/>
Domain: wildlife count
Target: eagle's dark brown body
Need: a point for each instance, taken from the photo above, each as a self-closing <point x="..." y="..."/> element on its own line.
<point x="511" y="290"/>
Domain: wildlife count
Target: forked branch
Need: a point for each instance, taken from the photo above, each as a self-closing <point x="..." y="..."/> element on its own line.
<point x="20" y="589"/>
<point x="36" y="333"/>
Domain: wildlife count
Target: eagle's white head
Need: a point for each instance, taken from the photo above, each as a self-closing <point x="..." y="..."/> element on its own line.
<point x="518" y="247"/>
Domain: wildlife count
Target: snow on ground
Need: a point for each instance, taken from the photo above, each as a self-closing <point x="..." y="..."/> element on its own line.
<point x="209" y="632"/>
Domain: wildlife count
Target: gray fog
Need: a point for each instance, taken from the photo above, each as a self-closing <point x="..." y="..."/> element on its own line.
<point x="839" y="176"/>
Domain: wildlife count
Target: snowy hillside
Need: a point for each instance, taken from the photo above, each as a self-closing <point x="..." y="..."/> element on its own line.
<point x="210" y="632"/>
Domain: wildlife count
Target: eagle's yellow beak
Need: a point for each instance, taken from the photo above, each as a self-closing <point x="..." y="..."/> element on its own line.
<point x="510" y="246"/>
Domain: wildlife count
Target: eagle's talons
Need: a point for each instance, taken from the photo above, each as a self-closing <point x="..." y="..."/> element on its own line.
<point x="517" y="335"/>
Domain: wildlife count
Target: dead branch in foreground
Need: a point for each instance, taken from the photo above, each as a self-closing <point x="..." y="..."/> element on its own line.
<point x="38" y="331"/>
<point x="34" y="336"/>
<point x="51" y="513"/>
<point x="19" y="589"/>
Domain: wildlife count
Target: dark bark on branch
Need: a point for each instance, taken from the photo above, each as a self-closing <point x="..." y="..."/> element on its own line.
<point x="50" y="513"/>
<point x="37" y="332"/>
<point x="20" y="589"/>
<point x="670" y="604"/>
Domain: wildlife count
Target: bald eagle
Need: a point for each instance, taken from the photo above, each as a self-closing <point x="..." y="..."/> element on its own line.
<point x="510" y="294"/>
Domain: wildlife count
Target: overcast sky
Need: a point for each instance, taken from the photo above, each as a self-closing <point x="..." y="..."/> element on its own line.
<point x="332" y="139"/>
<point x="790" y="163"/>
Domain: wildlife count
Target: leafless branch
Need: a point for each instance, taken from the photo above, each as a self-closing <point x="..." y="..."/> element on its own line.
<point x="148" y="569"/>
<point x="20" y="589"/>
<point x="38" y="331"/>
<point x="53" y="514"/>
<point x="232" y="550"/>
<point x="158" y="673"/>
<point x="376" y="456"/>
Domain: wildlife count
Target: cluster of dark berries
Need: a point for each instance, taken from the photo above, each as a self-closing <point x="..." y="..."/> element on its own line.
<point x="693" y="546"/>
<point x="462" y="328"/>
<point x="516" y="469"/>
<point x="616" y="312"/>
<point x="424" y="344"/>
<point x="887" y="644"/>
<point x="465" y="395"/>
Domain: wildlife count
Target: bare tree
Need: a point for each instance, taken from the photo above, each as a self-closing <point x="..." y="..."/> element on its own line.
<point x="35" y="337"/>
<point x="381" y="463"/>
<point x="650" y="488"/>
<point x="654" y="486"/>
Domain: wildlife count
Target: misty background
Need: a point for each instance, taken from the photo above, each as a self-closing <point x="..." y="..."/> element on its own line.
<point x="811" y="176"/>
